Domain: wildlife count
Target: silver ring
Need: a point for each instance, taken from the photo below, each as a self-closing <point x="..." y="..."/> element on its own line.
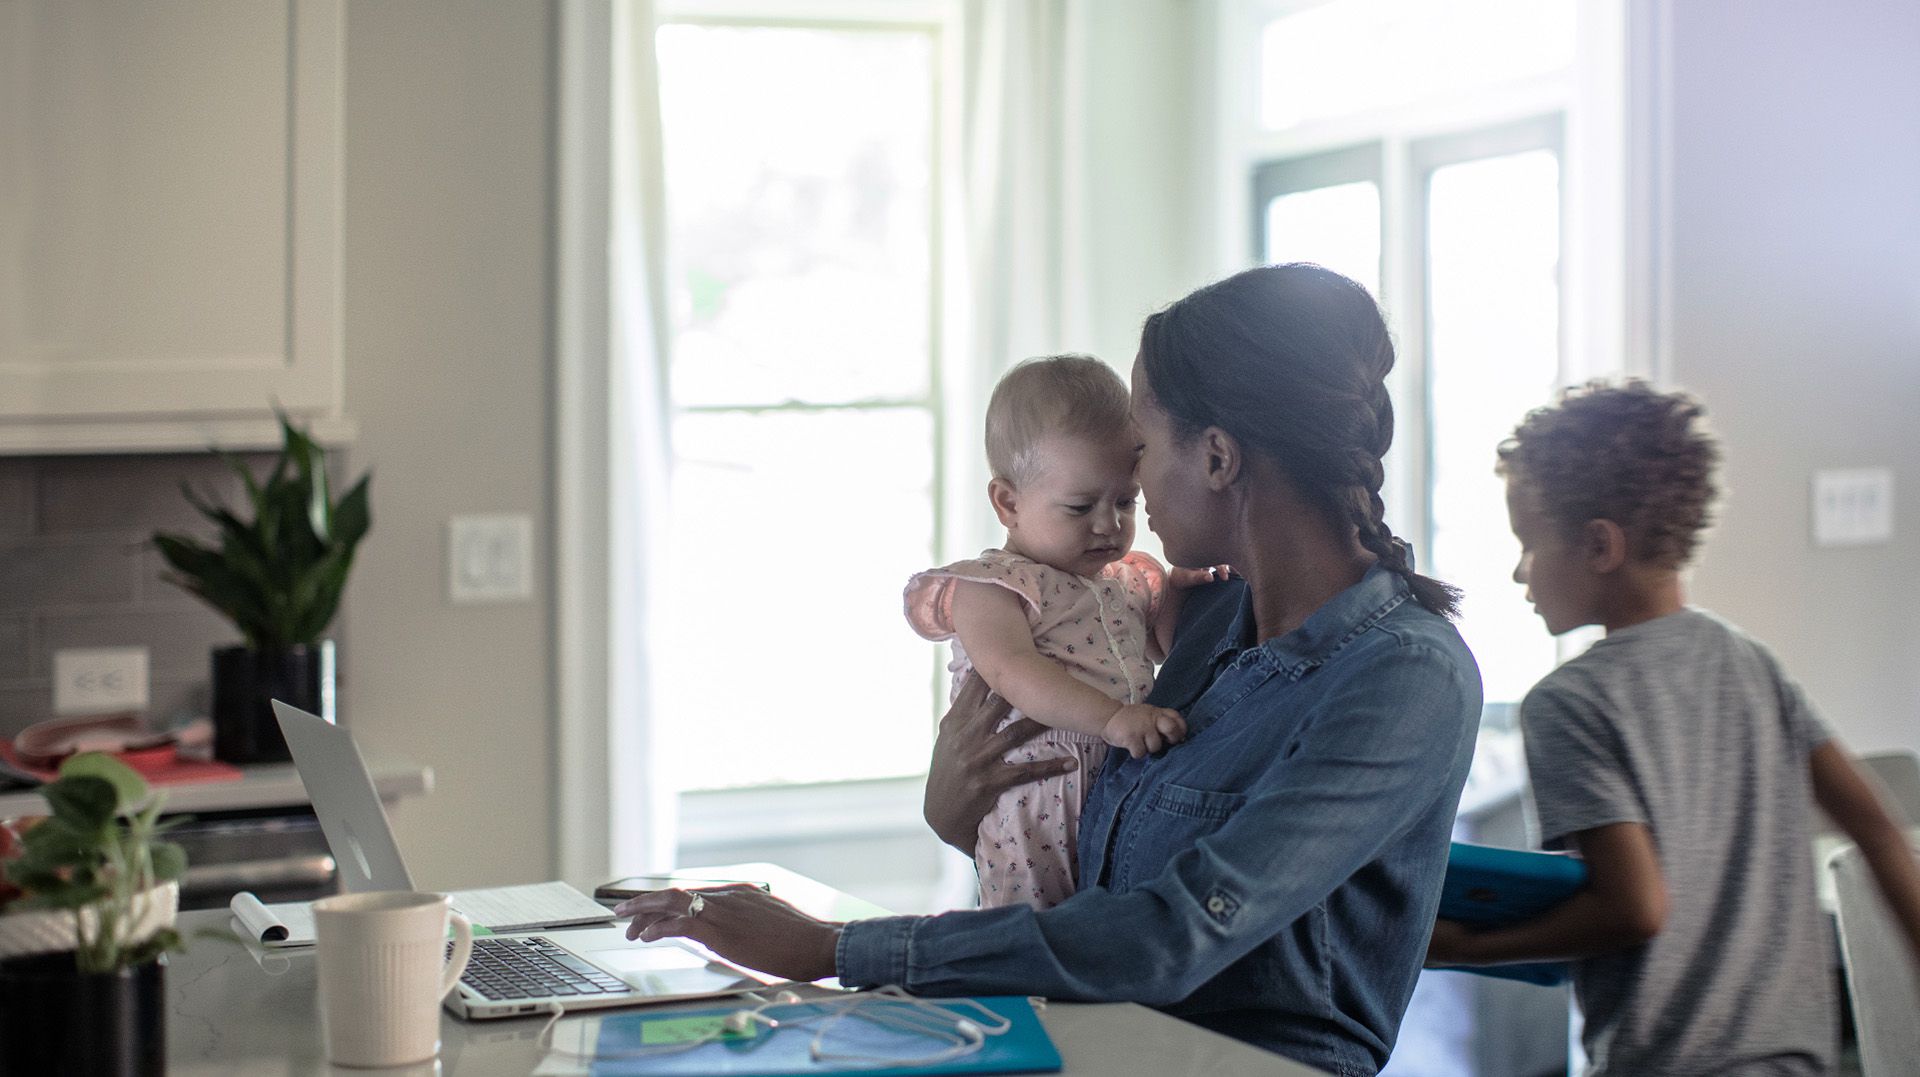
<point x="694" y="905"/>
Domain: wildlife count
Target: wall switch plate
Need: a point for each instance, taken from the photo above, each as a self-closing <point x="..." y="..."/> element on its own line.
<point x="490" y="558"/>
<point x="1853" y="507"/>
<point x="99" y="680"/>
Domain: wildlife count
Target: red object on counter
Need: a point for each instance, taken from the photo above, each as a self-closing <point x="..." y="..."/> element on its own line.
<point x="161" y="765"/>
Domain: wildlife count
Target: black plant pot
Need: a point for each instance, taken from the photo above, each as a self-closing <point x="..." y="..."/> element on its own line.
<point x="245" y="684"/>
<point x="54" y="1019"/>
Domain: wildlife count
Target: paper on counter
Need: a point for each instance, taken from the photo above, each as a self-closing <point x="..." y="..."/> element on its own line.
<point x="286" y="924"/>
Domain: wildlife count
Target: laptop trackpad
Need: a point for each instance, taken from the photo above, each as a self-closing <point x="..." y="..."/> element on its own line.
<point x="665" y="970"/>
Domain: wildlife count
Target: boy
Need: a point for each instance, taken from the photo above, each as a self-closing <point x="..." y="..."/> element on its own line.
<point x="1675" y="757"/>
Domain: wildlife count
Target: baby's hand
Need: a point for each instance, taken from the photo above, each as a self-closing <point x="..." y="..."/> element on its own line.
<point x="1194" y="577"/>
<point x="1142" y="730"/>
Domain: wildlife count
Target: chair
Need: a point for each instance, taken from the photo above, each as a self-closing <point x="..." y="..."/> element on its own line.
<point x="1881" y="982"/>
<point x="1896" y="775"/>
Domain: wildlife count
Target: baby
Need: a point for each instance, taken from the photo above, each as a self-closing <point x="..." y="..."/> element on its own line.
<point x="1064" y="622"/>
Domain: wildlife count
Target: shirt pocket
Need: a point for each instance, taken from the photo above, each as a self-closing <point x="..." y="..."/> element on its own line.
<point x="1173" y="818"/>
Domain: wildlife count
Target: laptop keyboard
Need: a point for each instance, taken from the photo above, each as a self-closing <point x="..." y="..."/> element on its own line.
<point x="533" y="967"/>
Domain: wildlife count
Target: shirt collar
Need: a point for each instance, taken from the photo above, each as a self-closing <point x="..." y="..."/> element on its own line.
<point x="1325" y="631"/>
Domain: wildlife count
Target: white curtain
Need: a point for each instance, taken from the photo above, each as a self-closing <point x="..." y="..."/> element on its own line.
<point x="614" y="812"/>
<point x="1024" y="182"/>
<point x="643" y="797"/>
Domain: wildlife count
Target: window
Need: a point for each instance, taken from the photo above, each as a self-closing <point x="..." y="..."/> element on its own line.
<point x="803" y="232"/>
<point x="1421" y="150"/>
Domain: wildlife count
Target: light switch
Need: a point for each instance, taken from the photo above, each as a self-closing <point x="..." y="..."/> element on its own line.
<point x="490" y="558"/>
<point x="1853" y="506"/>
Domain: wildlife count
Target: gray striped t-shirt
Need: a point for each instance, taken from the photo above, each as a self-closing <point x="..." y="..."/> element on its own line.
<point x="1688" y="725"/>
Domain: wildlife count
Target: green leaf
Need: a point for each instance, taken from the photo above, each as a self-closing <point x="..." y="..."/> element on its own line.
<point x="351" y="520"/>
<point x="169" y="861"/>
<point x="59" y="844"/>
<point x="84" y="802"/>
<point x="162" y="941"/>
<point x="128" y="786"/>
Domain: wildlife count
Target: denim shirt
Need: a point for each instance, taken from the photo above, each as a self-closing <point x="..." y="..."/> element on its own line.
<point x="1275" y="876"/>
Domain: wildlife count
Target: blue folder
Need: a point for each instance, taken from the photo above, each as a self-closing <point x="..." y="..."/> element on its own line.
<point x="1488" y="887"/>
<point x="1024" y="1048"/>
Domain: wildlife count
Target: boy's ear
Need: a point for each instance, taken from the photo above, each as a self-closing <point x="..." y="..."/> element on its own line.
<point x="1002" y="495"/>
<point x="1223" y="457"/>
<point x="1603" y="546"/>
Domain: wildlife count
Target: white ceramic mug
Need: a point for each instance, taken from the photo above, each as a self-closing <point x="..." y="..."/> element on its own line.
<point x="382" y="974"/>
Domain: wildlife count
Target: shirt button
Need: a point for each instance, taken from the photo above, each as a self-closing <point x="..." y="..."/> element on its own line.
<point x="1216" y="904"/>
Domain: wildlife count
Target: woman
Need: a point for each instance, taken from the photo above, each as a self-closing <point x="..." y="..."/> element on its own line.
<point x="1275" y="877"/>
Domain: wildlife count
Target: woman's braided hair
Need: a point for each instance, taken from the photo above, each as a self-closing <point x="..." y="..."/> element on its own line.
<point x="1292" y="361"/>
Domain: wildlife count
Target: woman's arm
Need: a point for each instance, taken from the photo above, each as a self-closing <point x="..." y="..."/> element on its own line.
<point x="992" y="626"/>
<point x="1313" y="819"/>
<point x="1623" y="905"/>
<point x="969" y="769"/>
<point x="1846" y="795"/>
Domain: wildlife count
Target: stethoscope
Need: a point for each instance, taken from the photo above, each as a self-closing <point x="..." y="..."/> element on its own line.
<point x="961" y="1025"/>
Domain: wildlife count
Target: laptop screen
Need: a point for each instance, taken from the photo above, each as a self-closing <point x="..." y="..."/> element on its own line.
<point x="345" y="801"/>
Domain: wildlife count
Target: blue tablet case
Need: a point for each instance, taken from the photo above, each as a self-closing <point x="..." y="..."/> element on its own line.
<point x="1486" y="886"/>
<point x="1024" y="1048"/>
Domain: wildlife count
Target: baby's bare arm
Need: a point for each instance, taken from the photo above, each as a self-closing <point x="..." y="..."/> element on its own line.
<point x="992" y="626"/>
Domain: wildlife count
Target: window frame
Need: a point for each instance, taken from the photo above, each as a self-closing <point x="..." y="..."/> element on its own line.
<point x="1577" y="114"/>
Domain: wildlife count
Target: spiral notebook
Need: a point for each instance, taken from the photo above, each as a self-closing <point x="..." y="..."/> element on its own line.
<point x="532" y="907"/>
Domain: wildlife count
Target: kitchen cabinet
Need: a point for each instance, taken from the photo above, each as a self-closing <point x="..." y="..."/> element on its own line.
<point x="170" y="222"/>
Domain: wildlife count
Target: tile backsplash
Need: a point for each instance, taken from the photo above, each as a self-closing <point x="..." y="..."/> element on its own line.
<point x="76" y="570"/>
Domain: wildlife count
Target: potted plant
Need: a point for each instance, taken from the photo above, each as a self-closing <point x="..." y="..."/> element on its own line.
<point x="278" y="577"/>
<point x="87" y="901"/>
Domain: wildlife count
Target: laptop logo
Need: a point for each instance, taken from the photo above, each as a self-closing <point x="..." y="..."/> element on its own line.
<point x="359" y="854"/>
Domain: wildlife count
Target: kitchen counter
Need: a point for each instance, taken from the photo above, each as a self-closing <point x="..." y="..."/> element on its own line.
<point x="268" y="785"/>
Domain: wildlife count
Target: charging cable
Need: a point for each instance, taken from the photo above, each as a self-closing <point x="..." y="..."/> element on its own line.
<point x="888" y="1007"/>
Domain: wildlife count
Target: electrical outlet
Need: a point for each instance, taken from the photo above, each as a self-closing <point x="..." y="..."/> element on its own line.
<point x="99" y="680"/>
<point x="1853" y="507"/>
<point x="490" y="558"/>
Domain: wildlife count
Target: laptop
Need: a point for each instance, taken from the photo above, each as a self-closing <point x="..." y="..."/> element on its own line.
<point x="510" y="974"/>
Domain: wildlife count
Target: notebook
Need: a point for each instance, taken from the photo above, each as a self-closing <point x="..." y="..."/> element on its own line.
<point x="783" y="1052"/>
<point x="1487" y="886"/>
<point x="499" y="908"/>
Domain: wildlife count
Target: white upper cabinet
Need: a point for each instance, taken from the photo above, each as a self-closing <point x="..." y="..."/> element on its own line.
<point x="170" y="190"/>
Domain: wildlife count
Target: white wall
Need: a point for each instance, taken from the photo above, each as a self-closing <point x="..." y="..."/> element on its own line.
<point x="448" y="125"/>
<point x="1147" y="166"/>
<point x="1795" y="224"/>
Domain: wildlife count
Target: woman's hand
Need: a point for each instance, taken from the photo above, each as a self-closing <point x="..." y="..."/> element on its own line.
<point x="742" y="923"/>
<point x="969" y="770"/>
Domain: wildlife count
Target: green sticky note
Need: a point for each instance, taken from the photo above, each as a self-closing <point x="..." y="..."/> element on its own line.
<point x="665" y="1030"/>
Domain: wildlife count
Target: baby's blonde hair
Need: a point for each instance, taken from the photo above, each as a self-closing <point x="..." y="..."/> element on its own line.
<point x="1072" y="395"/>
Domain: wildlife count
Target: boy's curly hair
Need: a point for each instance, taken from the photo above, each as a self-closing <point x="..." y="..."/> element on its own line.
<point x="1628" y="453"/>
